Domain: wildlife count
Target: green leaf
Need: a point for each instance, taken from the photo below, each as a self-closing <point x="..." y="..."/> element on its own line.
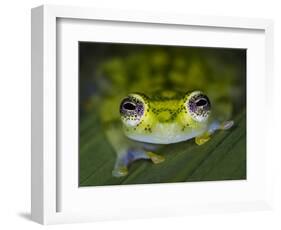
<point x="221" y="158"/>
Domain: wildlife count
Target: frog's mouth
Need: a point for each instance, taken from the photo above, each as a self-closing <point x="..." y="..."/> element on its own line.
<point x="164" y="134"/>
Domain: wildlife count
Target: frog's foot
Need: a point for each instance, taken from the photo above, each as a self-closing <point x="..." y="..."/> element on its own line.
<point x="226" y="125"/>
<point x="125" y="158"/>
<point x="155" y="158"/>
<point x="200" y="140"/>
<point x="219" y="126"/>
<point x="120" y="171"/>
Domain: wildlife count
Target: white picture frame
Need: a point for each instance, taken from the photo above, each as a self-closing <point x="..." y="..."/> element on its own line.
<point x="50" y="205"/>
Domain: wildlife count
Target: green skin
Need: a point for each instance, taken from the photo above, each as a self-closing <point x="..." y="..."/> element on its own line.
<point x="164" y="118"/>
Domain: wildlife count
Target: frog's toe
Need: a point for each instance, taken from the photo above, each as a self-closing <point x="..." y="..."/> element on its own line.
<point x="156" y="159"/>
<point x="227" y="125"/>
<point x="202" y="139"/>
<point x="120" y="172"/>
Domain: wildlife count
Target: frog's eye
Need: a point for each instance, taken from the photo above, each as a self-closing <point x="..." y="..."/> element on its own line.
<point x="128" y="106"/>
<point x="198" y="106"/>
<point x="201" y="102"/>
<point x="131" y="110"/>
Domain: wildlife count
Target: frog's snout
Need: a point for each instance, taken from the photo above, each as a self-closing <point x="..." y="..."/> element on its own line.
<point x="164" y="116"/>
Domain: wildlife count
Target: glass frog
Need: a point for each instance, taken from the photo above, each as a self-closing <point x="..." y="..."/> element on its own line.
<point x="162" y="118"/>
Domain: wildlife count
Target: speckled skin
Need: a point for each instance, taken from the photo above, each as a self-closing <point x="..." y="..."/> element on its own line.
<point x="165" y="119"/>
<point x="161" y="118"/>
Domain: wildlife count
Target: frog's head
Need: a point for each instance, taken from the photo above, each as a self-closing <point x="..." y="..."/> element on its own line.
<point x="166" y="117"/>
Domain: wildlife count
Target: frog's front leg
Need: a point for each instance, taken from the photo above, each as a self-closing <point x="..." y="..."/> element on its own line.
<point x="125" y="158"/>
<point x="128" y="151"/>
<point x="206" y="136"/>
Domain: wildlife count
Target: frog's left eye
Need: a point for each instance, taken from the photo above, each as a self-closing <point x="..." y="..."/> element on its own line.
<point x="128" y="106"/>
<point x="198" y="106"/>
<point x="131" y="110"/>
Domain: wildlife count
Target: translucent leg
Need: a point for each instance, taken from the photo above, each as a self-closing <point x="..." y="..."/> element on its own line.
<point x="206" y="136"/>
<point x="123" y="160"/>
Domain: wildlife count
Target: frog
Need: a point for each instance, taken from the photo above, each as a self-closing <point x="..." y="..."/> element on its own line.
<point x="148" y="121"/>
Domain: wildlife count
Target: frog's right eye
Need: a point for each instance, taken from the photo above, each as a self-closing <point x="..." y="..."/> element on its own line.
<point x="131" y="110"/>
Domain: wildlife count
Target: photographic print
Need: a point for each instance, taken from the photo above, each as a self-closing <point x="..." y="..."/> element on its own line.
<point x="161" y="114"/>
